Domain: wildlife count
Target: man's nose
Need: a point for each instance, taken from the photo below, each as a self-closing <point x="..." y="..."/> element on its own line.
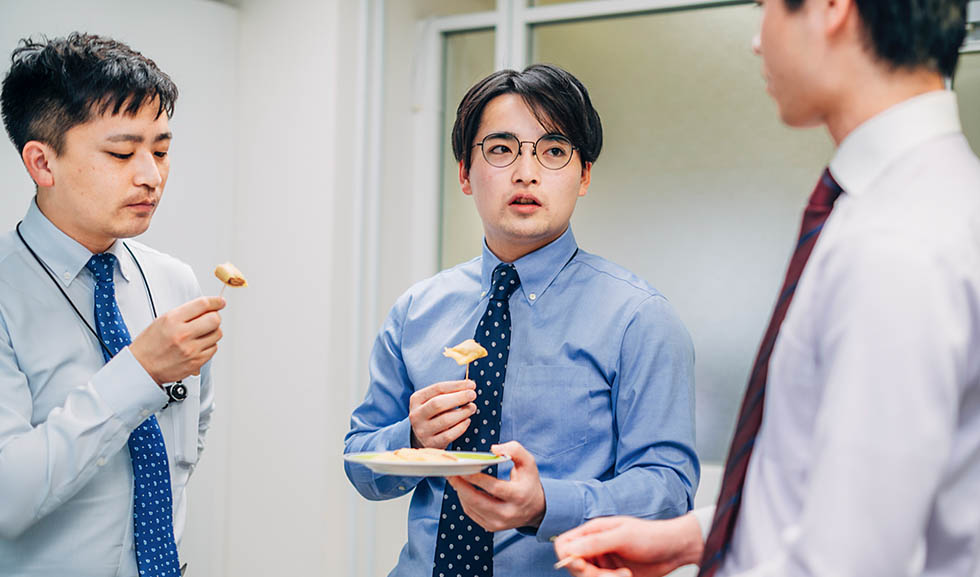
<point x="148" y="173"/>
<point x="526" y="165"/>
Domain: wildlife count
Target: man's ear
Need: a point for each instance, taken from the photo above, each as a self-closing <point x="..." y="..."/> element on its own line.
<point x="586" y="179"/>
<point x="36" y="156"/>
<point x="837" y="14"/>
<point x="464" y="179"/>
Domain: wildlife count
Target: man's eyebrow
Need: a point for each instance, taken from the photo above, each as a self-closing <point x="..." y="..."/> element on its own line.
<point x="136" y="138"/>
<point x="499" y="134"/>
<point x="125" y="138"/>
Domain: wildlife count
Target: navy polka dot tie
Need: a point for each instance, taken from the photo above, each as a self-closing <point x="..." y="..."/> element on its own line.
<point x="463" y="548"/>
<point x="156" y="551"/>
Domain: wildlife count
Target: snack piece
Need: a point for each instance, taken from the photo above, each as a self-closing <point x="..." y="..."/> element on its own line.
<point x="230" y="275"/>
<point x="465" y="352"/>
<point x="424" y="455"/>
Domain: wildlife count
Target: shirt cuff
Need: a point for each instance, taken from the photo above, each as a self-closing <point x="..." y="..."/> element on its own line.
<point x="564" y="508"/>
<point x="704" y="515"/>
<point x="128" y="389"/>
<point x="383" y="485"/>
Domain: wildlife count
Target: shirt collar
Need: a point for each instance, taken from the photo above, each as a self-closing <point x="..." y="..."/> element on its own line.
<point x="123" y="259"/>
<point x="65" y="256"/>
<point x="874" y="145"/>
<point x="536" y="270"/>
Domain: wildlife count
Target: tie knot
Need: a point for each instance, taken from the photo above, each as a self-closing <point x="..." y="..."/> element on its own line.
<point x="826" y="191"/>
<point x="504" y="282"/>
<point x="101" y="266"/>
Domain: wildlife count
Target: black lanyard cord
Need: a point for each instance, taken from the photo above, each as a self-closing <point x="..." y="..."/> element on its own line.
<point x="47" y="271"/>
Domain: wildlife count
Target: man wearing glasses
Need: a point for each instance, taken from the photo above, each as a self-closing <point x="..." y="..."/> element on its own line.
<point x="588" y="384"/>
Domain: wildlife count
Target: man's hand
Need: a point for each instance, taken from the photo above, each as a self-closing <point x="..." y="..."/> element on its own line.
<point x="631" y="547"/>
<point x="496" y="504"/>
<point x="440" y="413"/>
<point x="178" y="342"/>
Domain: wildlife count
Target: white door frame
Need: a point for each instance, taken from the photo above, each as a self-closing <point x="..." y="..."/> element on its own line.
<point x="973" y="15"/>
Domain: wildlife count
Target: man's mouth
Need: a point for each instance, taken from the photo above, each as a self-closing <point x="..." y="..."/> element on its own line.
<point x="525" y="201"/>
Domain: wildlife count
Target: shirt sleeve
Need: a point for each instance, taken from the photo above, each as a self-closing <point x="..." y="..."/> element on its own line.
<point x="381" y="422"/>
<point x="657" y="470"/>
<point x="207" y="406"/>
<point x="894" y="348"/>
<point x="46" y="459"/>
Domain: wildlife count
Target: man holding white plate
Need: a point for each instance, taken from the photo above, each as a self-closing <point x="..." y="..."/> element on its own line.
<point x="587" y="388"/>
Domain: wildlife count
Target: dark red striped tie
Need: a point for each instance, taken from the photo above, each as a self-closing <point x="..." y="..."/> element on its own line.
<point x="750" y="416"/>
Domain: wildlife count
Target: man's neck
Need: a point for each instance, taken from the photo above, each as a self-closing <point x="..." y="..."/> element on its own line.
<point x="879" y="90"/>
<point x="50" y="212"/>
<point x="510" y="252"/>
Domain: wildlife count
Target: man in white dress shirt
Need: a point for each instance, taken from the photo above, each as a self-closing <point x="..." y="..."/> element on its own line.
<point x="89" y="117"/>
<point x="867" y="462"/>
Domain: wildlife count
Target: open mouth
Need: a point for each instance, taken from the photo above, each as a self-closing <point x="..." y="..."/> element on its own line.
<point x="524" y="201"/>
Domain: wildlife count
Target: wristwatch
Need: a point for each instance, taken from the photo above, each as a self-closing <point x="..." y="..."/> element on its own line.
<point x="176" y="392"/>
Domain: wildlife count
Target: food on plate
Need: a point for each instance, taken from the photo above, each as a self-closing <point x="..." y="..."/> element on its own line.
<point x="424" y="455"/>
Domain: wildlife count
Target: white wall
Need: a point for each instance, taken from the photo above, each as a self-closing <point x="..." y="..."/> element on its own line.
<point x="196" y="43"/>
<point x="287" y="494"/>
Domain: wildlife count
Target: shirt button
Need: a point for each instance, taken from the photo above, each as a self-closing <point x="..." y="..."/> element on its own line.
<point x="532" y="296"/>
<point x="66" y="276"/>
<point x="145" y="413"/>
<point x="401" y="487"/>
<point x="101" y="462"/>
<point x="483" y="294"/>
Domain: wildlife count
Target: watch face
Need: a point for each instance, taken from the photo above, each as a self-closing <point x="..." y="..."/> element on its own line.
<point x="178" y="391"/>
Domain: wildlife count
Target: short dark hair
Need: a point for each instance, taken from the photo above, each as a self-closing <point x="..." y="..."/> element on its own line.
<point x="54" y="85"/>
<point x="912" y="33"/>
<point x="558" y="100"/>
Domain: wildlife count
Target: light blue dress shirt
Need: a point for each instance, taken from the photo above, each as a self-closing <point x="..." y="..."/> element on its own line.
<point x="66" y="479"/>
<point x="599" y="388"/>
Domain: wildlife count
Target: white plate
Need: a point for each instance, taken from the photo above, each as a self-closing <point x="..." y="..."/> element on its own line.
<point x="468" y="464"/>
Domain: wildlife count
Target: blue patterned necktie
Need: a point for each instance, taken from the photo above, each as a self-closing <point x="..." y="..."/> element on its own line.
<point x="156" y="551"/>
<point x="463" y="548"/>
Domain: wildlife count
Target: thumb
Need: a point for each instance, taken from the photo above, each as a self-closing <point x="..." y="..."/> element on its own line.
<point x="521" y="457"/>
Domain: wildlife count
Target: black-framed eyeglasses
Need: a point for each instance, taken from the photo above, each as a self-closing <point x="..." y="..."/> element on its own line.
<point x="501" y="149"/>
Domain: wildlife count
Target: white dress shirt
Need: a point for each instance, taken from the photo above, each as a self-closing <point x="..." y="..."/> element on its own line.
<point x="66" y="479"/>
<point x="868" y="460"/>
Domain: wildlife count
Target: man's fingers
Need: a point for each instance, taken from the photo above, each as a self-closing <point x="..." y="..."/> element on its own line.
<point x="204" y="324"/>
<point x="496" y="487"/>
<point x="517" y="453"/>
<point x="442" y="440"/>
<point x="422" y="396"/>
<point x="450" y="419"/>
<point x="447" y="402"/>
<point x="208" y="340"/>
<point x="206" y="355"/>
<point x="197" y="307"/>
<point x="478" y="505"/>
<point x="468" y="492"/>
<point x="594" y="526"/>
<point x="595" y="544"/>
<point x="581" y="568"/>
